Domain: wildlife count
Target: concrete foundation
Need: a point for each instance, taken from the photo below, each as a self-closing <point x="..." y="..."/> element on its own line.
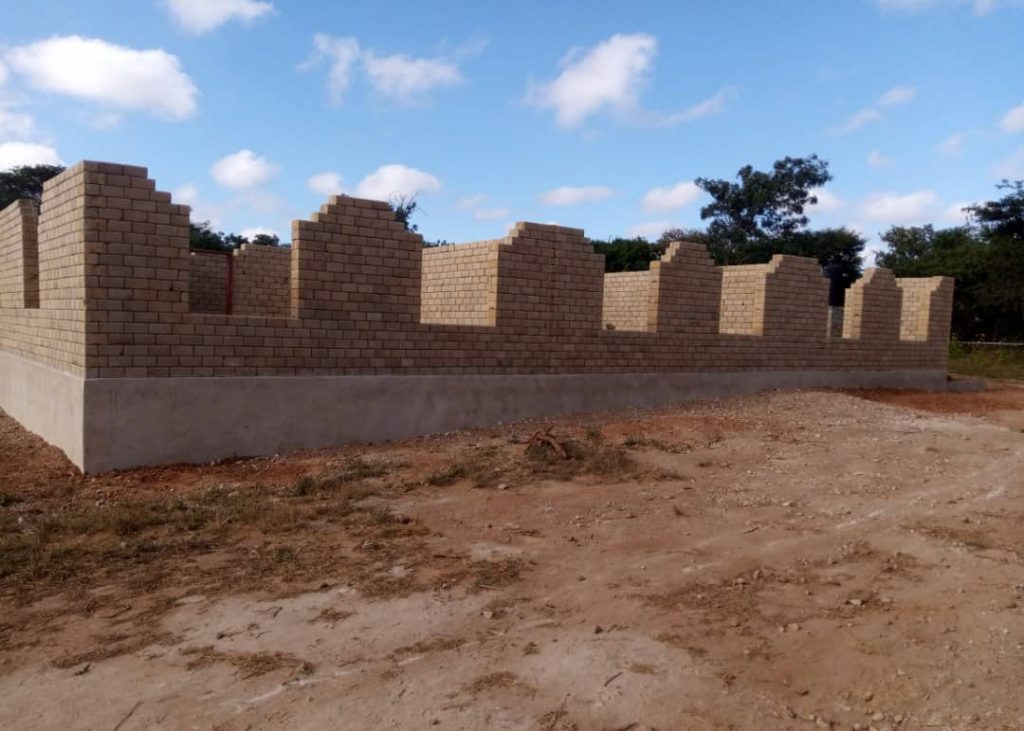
<point x="131" y="422"/>
<point x="46" y="401"/>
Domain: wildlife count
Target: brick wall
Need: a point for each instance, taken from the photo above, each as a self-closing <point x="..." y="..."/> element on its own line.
<point x="873" y="307"/>
<point x="19" y="255"/>
<point x="208" y="281"/>
<point x="625" y="304"/>
<point x="460" y="284"/>
<point x="261" y="281"/>
<point x="115" y="275"/>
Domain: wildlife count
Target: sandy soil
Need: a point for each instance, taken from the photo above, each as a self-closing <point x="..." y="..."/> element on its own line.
<point x="786" y="561"/>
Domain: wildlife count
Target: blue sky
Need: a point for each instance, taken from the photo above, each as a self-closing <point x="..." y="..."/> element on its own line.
<point x="597" y="114"/>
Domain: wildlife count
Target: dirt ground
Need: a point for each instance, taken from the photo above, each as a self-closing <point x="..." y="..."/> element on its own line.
<point x="792" y="560"/>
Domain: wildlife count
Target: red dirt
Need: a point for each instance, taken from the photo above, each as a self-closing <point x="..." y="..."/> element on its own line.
<point x="790" y="560"/>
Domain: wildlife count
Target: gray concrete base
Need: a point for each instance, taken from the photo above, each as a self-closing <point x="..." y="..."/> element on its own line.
<point x="146" y="421"/>
<point x="44" y="400"/>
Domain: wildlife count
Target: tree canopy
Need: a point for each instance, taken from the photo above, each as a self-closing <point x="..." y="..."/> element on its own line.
<point x="986" y="257"/>
<point x="202" y="236"/>
<point x="25" y="181"/>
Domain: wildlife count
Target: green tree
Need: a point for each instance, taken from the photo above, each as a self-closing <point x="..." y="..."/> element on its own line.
<point x="25" y="181"/>
<point x="750" y="217"/>
<point x="265" y="240"/>
<point x="202" y="236"/>
<point x="404" y="208"/>
<point x="1003" y="218"/>
<point x="628" y="255"/>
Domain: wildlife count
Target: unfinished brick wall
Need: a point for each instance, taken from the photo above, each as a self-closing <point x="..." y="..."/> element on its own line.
<point x="460" y="284"/>
<point x="549" y="279"/>
<point x="208" y="281"/>
<point x="787" y="296"/>
<point x="261" y="281"/>
<point x="19" y="255"/>
<point x="926" y="308"/>
<point x="625" y="302"/>
<point x="115" y="275"/>
<point x="872" y="308"/>
<point x="687" y="291"/>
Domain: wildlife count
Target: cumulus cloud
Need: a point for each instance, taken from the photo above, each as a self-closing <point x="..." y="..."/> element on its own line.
<point x="15" y="154"/>
<point x="893" y="208"/>
<point x="3" y="73"/>
<point x="396" y="181"/>
<point x="609" y="78"/>
<point x="16" y="125"/>
<point x="610" y="75"/>
<point x="828" y="202"/>
<point x="405" y="79"/>
<point x="1013" y="120"/>
<point x="873" y="113"/>
<point x="671" y="198"/>
<point x="571" y="196"/>
<point x="341" y="54"/>
<point x="203" y="16"/>
<point x="979" y="7"/>
<point x="325" y="184"/>
<point x="242" y="169"/>
<point x="97" y="71"/>
<point x="877" y="160"/>
<point x="650" y="229"/>
<point x="397" y="77"/>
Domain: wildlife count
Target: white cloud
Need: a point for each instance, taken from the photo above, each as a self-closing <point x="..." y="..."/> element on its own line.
<point x="15" y="125"/>
<point x="405" y="79"/>
<point x="712" y="105"/>
<point x="858" y="120"/>
<point x="670" y="198"/>
<point x="1013" y="120"/>
<point x="491" y="214"/>
<point x="325" y="184"/>
<point x="893" y="208"/>
<point x="979" y="7"/>
<point x="203" y="16"/>
<point x="102" y="72"/>
<point x="609" y="75"/>
<point x="251" y="233"/>
<point x="649" y="230"/>
<point x="342" y="54"/>
<point x="828" y="202"/>
<point x="955" y="213"/>
<point x="396" y="181"/>
<point x="877" y="160"/>
<point x="953" y="144"/>
<point x="471" y="201"/>
<point x="3" y="73"/>
<point x="187" y="194"/>
<point x="571" y="196"/>
<point x="896" y="96"/>
<point x="15" y="154"/>
<point x="242" y="169"/>
<point x="872" y="113"/>
<point x="1012" y="166"/>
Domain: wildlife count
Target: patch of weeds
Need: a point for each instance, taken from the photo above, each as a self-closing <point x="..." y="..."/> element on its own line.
<point x="285" y="554"/>
<point x="448" y="476"/>
<point x="496" y="574"/>
<point x="331" y="616"/>
<point x="247" y="664"/>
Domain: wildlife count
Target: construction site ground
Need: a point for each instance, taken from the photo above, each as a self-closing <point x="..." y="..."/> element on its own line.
<point x="790" y="560"/>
